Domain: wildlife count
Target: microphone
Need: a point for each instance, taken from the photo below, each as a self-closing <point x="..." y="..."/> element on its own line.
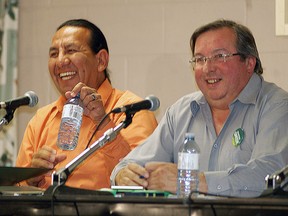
<point x="29" y="98"/>
<point x="151" y="103"/>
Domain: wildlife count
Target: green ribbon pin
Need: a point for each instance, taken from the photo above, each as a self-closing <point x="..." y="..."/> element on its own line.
<point x="238" y="137"/>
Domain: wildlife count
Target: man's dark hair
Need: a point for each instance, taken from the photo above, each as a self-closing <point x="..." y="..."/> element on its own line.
<point x="97" y="41"/>
<point x="245" y="42"/>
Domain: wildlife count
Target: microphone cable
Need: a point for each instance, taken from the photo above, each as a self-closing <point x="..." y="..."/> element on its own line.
<point x="53" y="197"/>
<point x="97" y="128"/>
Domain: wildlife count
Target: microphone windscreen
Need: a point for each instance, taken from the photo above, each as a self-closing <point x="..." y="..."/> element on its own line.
<point x="155" y="102"/>
<point x="33" y="98"/>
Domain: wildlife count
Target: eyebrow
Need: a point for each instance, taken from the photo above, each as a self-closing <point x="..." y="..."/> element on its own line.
<point x="52" y="49"/>
<point x="213" y="52"/>
<point x="65" y="47"/>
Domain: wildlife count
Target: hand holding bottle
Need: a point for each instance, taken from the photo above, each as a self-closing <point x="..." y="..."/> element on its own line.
<point x="92" y="102"/>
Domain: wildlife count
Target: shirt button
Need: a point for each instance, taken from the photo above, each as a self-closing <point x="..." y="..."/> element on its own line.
<point x="215" y="145"/>
<point x="219" y="187"/>
<point x="245" y="188"/>
<point x="195" y="107"/>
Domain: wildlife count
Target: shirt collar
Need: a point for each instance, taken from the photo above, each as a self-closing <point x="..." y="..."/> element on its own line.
<point x="60" y="103"/>
<point x="249" y="94"/>
<point x="196" y="102"/>
<point x="105" y="90"/>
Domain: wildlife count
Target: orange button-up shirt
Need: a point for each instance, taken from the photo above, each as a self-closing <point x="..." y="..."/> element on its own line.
<point x="93" y="172"/>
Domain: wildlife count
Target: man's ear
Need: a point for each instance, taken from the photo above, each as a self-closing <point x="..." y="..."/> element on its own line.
<point x="103" y="59"/>
<point x="250" y="63"/>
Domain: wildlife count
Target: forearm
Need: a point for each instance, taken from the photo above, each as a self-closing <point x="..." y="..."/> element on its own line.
<point x="240" y="180"/>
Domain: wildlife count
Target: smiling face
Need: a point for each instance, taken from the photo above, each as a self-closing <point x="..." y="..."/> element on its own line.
<point x="221" y="82"/>
<point x="71" y="60"/>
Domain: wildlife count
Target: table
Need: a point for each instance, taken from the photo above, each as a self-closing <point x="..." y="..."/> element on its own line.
<point x="99" y="203"/>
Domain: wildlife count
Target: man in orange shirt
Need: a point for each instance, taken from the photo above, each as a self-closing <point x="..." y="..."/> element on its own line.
<point x="78" y="61"/>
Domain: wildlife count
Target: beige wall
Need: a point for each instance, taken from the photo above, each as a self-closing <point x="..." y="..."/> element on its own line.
<point x="148" y="42"/>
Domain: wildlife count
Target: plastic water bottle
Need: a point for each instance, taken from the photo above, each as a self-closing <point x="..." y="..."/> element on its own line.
<point x="188" y="167"/>
<point x="70" y="123"/>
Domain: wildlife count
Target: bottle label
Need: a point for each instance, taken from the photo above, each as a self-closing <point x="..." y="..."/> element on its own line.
<point x="187" y="161"/>
<point x="74" y="111"/>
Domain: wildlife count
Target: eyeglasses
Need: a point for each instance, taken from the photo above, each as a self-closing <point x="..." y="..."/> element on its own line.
<point x="217" y="58"/>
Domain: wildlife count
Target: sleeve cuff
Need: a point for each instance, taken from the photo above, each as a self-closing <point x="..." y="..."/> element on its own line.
<point x="217" y="183"/>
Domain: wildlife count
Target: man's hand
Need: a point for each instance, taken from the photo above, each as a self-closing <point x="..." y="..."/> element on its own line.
<point x="46" y="157"/>
<point x="162" y="176"/>
<point x="92" y="101"/>
<point x="155" y="176"/>
<point x="202" y="187"/>
<point x="132" y="174"/>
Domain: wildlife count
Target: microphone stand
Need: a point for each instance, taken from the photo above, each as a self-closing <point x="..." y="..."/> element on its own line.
<point x="7" y="118"/>
<point x="276" y="183"/>
<point x="59" y="177"/>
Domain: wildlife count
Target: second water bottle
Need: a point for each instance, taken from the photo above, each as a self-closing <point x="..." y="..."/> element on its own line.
<point x="188" y="167"/>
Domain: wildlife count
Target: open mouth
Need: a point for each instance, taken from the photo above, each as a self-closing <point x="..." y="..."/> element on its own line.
<point x="67" y="75"/>
<point x="213" y="81"/>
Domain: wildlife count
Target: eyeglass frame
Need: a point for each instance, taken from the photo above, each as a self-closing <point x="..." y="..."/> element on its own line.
<point x="213" y="58"/>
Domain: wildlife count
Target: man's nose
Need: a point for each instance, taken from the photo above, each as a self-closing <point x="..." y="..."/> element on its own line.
<point x="208" y="65"/>
<point x="62" y="60"/>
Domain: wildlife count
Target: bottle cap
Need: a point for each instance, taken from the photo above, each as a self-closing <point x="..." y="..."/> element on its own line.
<point x="189" y="135"/>
<point x="78" y="95"/>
